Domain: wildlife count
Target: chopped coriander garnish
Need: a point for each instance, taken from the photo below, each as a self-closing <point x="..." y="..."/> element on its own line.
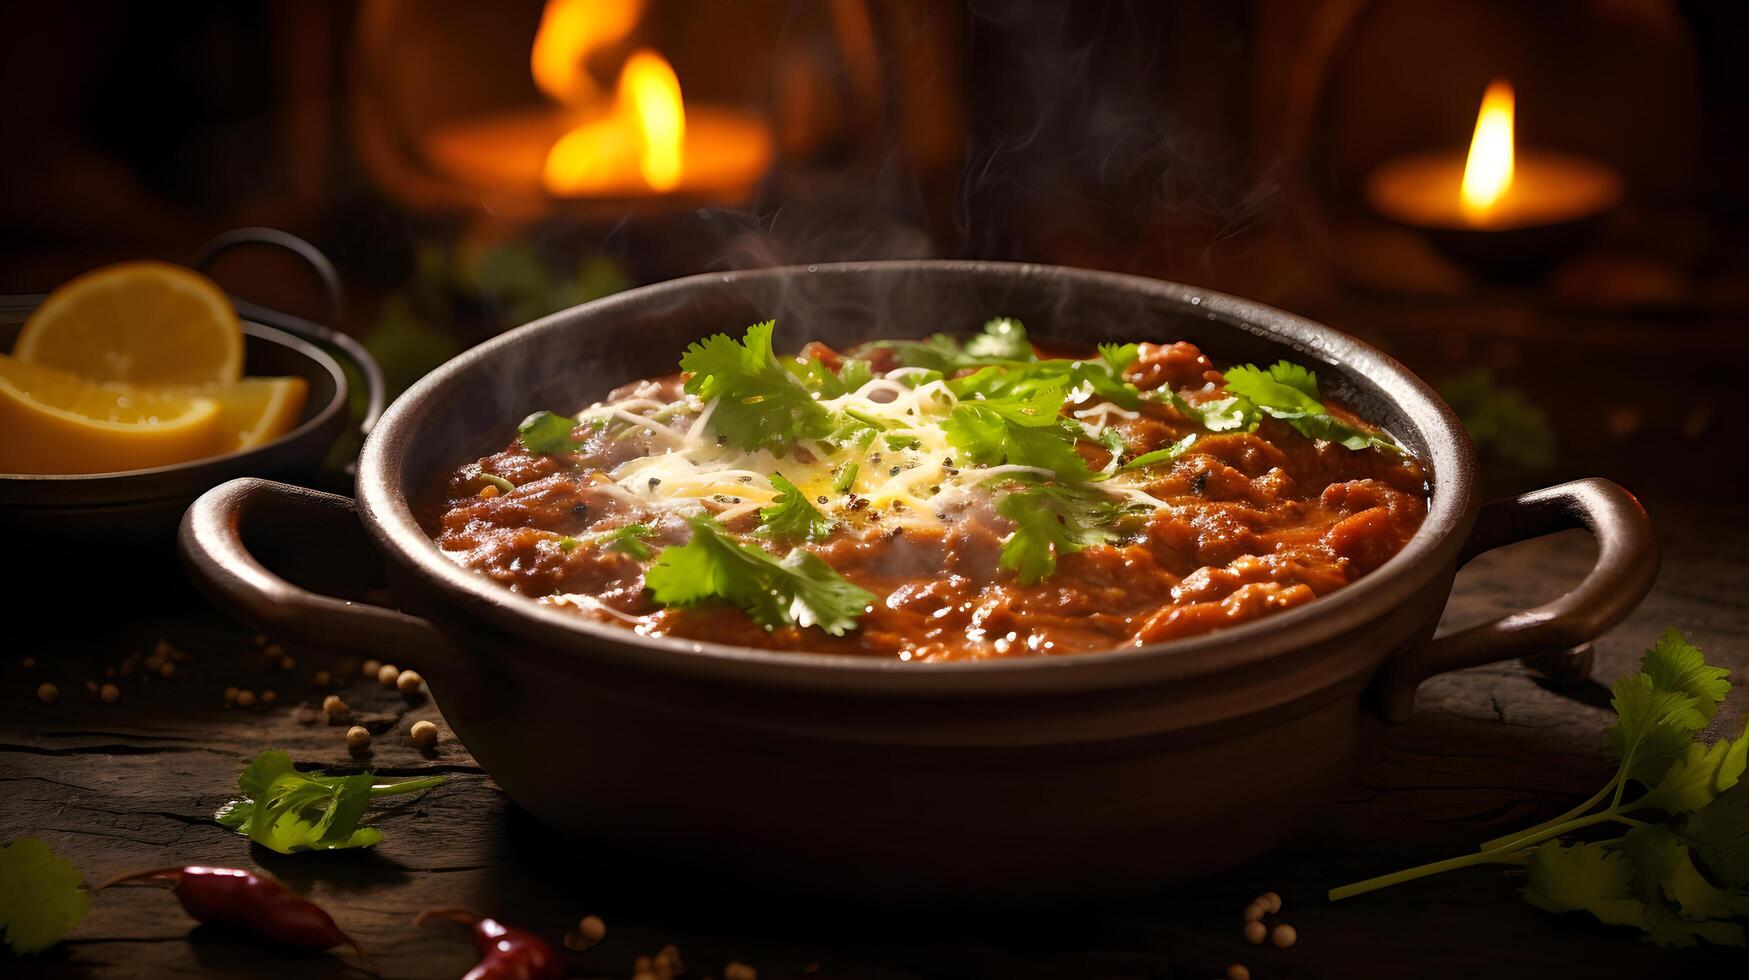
<point x="844" y="476"/>
<point x="626" y="539"/>
<point x="40" y="897"/>
<point x="798" y="590"/>
<point x="1166" y="455"/>
<point x="1289" y="392"/>
<point x="760" y="404"/>
<point x="1051" y="520"/>
<point x="902" y="442"/>
<point x="545" y="433"/>
<point x="790" y="516"/>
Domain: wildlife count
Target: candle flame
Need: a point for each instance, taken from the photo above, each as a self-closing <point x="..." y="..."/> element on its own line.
<point x="1488" y="170"/>
<point x="637" y="136"/>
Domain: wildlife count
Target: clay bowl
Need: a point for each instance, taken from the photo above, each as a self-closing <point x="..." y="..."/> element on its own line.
<point x="1024" y="779"/>
<point x="134" y="514"/>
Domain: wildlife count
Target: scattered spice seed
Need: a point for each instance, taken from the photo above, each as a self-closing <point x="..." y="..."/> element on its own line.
<point x="335" y="709"/>
<point x="669" y="955"/>
<point x="370" y="667"/>
<point x="91" y="686"/>
<point x="230" y="694"/>
<point x="260" y="639"/>
<point x="1238" y="971"/>
<point x="358" y="738"/>
<point x="424" y="734"/>
<point x="1255" y="932"/>
<point x="739" y="971"/>
<point x="287" y="663"/>
<point x="592" y="928"/>
<point x="387" y="674"/>
<point x="409" y="682"/>
<point x="1270" y="901"/>
<point x="323" y="678"/>
<point x="245" y="698"/>
<point x="48" y="693"/>
<point x="109" y="693"/>
<point x="162" y="648"/>
<point x="575" y="942"/>
<point x="1253" y="912"/>
<point x="268" y="697"/>
<point x="1284" y="936"/>
<point x="166" y="669"/>
<point x="28" y="662"/>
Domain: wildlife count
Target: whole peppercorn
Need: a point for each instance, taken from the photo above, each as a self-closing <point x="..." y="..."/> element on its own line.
<point x="409" y="681"/>
<point x="387" y="674"/>
<point x="358" y="738"/>
<point x="109" y="693"/>
<point x="1255" y="932"/>
<point x="424" y="734"/>
<point x="48" y="693"/>
<point x="1284" y="936"/>
<point x="370" y="668"/>
<point x="245" y="698"/>
<point x="334" y="708"/>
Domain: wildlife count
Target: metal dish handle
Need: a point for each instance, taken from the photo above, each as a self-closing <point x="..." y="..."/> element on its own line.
<point x="220" y="563"/>
<point x="330" y="335"/>
<point x="1627" y="564"/>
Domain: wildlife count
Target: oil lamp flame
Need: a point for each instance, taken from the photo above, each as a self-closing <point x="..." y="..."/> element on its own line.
<point x="1488" y="169"/>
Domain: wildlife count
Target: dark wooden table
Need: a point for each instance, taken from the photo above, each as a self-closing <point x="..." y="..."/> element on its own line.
<point x="133" y="785"/>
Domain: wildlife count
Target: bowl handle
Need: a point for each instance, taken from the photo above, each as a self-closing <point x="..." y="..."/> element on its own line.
<point x="1627" y="563"/>
<point x="220" y="563"/>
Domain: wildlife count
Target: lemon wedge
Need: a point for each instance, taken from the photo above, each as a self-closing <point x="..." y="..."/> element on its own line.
<point x="57" y="422"/>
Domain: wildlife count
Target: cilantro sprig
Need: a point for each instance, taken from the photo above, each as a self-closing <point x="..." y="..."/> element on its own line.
<point x="40" y="897"/>
<point x="797" y="590"/>
<point x="1680" y="872"/>
<point x="1052" y="520"/>
<point x="288" y="811"/>
<point x="546" y="433"/>
<point x="760" y="403"/>
<point x="791" y="516"/>
<point x="1289" y="392"/>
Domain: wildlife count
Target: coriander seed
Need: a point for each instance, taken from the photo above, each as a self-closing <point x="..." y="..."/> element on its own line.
<point x="47" y="693"/>
<point x="358" y="738"/>
<point x="424" y="734"/>
<point x="1255" y="932"/>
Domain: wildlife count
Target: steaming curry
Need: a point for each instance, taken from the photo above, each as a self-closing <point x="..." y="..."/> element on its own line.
<point x="938" y="499"/>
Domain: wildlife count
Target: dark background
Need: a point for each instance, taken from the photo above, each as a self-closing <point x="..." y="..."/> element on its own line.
<point x="1217" y="143"/>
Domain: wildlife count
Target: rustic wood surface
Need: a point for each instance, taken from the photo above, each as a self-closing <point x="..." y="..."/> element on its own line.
<point x="133" y="784"/>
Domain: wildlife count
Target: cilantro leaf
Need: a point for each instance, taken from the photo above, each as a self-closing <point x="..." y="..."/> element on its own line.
<point x="1049" y="521"/>
<point x="1230" y="414"/>
<point x="626" y="539"/>
<point x="1719" y="833"/>
<point x="545" y="433"/>
<point x="1119" y="357"/>
<point x="817" y="377"/>
<point x="1019" y="431"/>
<point x="1663" y="870"/>
<point x="760" y="404"/>
<point x="1289" y="392"/>
<point x="1166" y="455"/>
<point x="800" y="590"/>
<point x="1002" y="340"/>
<point x="1653" y="728"/>
<point x="1698" y="776"/>
<point x="1584" y="878"/>
<point x="288" y="811"/>
<point x="1674" y="664"/>
<point x="40" y="897"/>
<point x="791" y="515"/>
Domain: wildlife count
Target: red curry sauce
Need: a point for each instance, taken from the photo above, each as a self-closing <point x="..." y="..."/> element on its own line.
<point x="1253" y="522"/>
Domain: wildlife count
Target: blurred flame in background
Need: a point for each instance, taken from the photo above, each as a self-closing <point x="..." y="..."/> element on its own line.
<point x="637" y="135"/>
<point x="1488" y="170"/>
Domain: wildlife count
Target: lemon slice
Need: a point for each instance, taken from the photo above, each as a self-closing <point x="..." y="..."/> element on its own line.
<point x="57" y="422"/>
<point x="137" y="322"/>
<point x="255" y="411"/>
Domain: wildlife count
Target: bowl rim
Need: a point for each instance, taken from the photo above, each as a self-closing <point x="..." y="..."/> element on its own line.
<point x="251" y="328"/>
<point x="388" y="517"/>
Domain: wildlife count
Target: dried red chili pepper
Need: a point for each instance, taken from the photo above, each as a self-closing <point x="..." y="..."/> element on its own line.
<point x="249" y="901"/>
<point x="506" y="952"/>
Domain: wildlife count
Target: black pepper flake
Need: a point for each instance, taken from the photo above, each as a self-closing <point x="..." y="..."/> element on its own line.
<point x="820" y="499"/>
<point x="1200" y="480"/>
<point x="948" y="461"/>
<point x="655" y="481"/>
<point x="874" y="459"/>
<point x="894" y="471"/>
<point x="580" y="511"/>
<point x="745" y="479"/>
<point x="856" y="503"/>
<point x="722" y="440"/>
<point x="935" y="489"/>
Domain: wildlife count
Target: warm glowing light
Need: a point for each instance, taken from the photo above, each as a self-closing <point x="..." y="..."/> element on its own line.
<point x="570" y="31"/>
<point x="1488" y="169"/>
<point x="650" y="90"/>
<point x="638" y="142"/>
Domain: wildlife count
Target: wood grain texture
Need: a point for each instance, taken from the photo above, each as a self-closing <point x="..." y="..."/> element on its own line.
<point x="133" y="785"/>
